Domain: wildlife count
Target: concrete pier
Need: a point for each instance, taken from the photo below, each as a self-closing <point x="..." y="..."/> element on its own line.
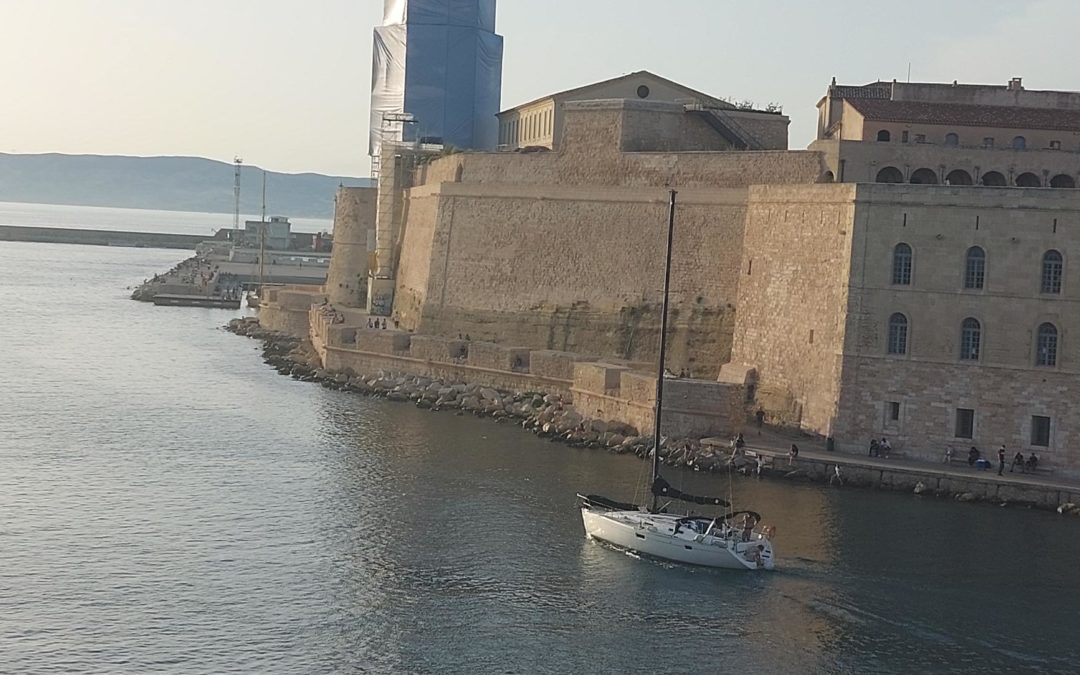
<point x="69" y="235"/>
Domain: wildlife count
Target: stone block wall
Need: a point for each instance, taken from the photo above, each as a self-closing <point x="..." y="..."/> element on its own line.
<point x="431" y="348"/>
<point x="692" y="408"/>
<point x="498" y="357"/>
<point x="383" y="341"/>
<point x="555" y="364"/>
<point x="928" y="395"/>
<point x="598" y="377"/>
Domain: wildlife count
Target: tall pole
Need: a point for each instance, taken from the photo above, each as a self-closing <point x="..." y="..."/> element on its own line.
<point x="663" y="349"/>
<point x="236" y="195"/>
<point x="262" y="233"/>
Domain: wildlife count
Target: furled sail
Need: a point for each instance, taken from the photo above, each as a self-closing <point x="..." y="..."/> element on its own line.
<point x="662" y="488"/>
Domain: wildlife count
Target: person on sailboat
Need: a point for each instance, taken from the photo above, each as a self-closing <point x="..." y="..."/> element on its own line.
<point x="755" y="555"/>
<point x="748" y="527"/>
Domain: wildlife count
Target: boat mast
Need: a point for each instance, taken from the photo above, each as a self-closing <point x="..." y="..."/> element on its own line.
<point x="663" y="349"/>
<point x="262" y="233"/>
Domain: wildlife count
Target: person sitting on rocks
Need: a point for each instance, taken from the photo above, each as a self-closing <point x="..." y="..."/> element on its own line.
<point x="739" y="443"/>
<point x="1017" y="460"/>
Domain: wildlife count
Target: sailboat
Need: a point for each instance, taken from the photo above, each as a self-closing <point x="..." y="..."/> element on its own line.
<point x="734" y="540"/>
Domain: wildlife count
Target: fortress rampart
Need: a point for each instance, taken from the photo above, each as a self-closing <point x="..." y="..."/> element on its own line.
<point x="625" y="392"/>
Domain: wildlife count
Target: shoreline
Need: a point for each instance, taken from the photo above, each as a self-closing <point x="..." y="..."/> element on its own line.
<point x="552" y="415"/>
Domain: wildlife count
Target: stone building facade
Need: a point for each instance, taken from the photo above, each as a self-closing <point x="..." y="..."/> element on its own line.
<point x="931" y="310"/>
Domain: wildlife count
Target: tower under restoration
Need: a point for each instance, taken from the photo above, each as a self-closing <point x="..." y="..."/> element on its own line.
<point x="436" y="74"/>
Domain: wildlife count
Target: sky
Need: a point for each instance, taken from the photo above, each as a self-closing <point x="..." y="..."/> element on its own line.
<point x="285" y="83"/>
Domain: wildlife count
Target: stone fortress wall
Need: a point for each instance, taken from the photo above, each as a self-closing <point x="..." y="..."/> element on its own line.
<point x="564" y="250"/>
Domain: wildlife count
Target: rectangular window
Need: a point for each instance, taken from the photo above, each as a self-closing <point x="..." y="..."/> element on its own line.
<point x="903" y="137"/>
<point x="1040" y="431"/>
<point x="920" y="138"/>
<point x="965" y="423"/>
<point x="894" y="411"/>
<point x="988" y="142"/>
<point x="1055" y="145"/>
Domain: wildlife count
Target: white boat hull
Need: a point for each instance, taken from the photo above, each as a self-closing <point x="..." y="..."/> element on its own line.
<point x="659" y="536"/>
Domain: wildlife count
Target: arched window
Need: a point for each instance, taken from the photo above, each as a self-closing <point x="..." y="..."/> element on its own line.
<point x="1062" y="180"/>
<point x="958" y="177"/>
<point x="975" y="268"/>
<point x="924" y="177"/>
<point x="970" y="340"/>
<point x="884" y="135"/>
<point x="901" y="265"/>
<point x="1047" y="344"/>
<point x="889" y="174"/>
<point x="897" y="334"/>
<point x="952" y="139"/>
<point x="993" y="179"/>
<point x="1028" y="179"/>
<point x="1019" y="143"/>
<point x="1052" y="269"/>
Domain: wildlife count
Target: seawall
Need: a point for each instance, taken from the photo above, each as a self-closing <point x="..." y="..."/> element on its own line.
<point x="69" y="235"/>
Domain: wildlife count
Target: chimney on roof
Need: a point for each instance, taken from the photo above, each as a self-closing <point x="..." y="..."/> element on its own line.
<point x="1015" y="84"/>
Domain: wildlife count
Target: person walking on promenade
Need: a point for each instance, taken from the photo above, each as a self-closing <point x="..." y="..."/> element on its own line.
<point x="1001" y="460"/>
<point x="759" y="417"/>
<point x="875" y="448"/>
<point x="885" y="446"/>
<point x="948" y="455"/>
<point x="792" y="454"/>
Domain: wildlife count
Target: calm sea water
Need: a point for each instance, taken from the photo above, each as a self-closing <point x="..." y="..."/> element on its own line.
<point x="170" y="504"/>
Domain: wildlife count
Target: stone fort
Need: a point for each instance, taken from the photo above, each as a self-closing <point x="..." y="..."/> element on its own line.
<point x="906" y="276"/>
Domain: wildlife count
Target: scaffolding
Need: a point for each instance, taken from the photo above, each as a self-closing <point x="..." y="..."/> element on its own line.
<point x="395" y="130"/>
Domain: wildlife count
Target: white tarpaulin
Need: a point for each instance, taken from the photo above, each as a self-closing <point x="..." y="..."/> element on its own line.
<point x="465" y="13"/>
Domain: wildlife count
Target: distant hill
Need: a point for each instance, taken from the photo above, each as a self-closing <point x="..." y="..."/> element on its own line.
<point x="167" y="183"/>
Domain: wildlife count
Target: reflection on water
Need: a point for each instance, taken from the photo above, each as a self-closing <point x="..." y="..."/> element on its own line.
<point x="168" y="502"/>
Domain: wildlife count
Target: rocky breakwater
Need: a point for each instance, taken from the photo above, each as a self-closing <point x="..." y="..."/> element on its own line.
<point x="548" y="415"/>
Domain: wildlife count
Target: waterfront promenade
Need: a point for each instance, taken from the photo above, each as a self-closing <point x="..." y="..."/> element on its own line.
<point x="1043" y="487"/>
